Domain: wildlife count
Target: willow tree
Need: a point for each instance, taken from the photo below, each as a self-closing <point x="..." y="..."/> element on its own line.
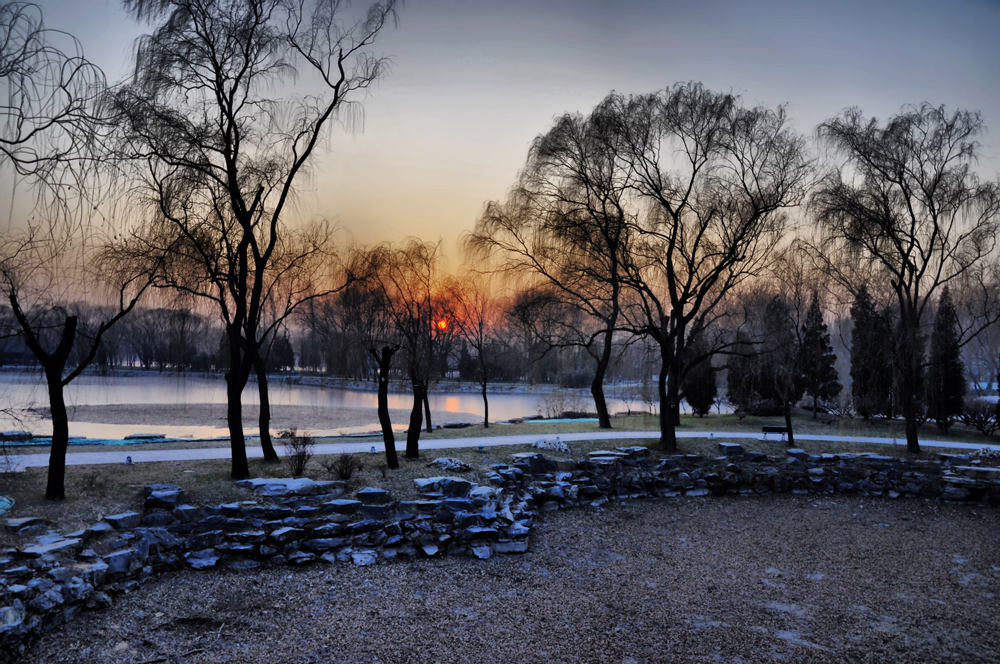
<point x="565" y="224"/>
<point x="405" y="279"/>
<point x="227" y="105"/>
<point x="52" y="261"/>
<point x="907" y="201"/>
<point x="712" y="179"/>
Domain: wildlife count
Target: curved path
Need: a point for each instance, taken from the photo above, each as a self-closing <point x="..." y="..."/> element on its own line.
<point x="118" y="456"/>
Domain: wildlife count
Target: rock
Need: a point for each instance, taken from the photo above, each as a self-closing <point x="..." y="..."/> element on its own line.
<point x="480" y="532"/>
<point x="163" y="496"/>
<point x="797" y="453"/>
<point x="297" y="486"/>
<point x="47" y="601"/>
<point x="301" y="558"/>
<point x="58" y="545"/>
<point x="11" y="617"/>
<point x="17" y="525"/>
<point x="98" y="600"/>
<point x="118" y="562"/>
<point x="77" y="590"/>
<point x="954" y="492"/>
<point x="203" y="559"/>
<point x="554" y="445"/>
<point x="158" y="519"/>
<point x="511" y="546"/>
<point x="451" y="465"/>
<point x="634" y="451"/>
<point x="731" y="449"/>
<point x="286" y="534"/>
<point x="373" y="496"/>
<point x="364" y="557"/>
<point x="241" y="564"/>
<point x="124" y="521"/>
<point x="429" y="549"/>
<point x="482" y="551"/>
<point x="343" y="505"/>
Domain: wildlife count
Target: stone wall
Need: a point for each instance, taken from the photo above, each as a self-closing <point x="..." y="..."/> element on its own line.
<point x="298" y="522"/>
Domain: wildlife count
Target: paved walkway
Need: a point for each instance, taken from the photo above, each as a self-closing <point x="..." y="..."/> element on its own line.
<point x="119" y="455"/>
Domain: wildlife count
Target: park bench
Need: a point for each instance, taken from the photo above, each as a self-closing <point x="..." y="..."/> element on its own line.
<point x="766" y="429"/>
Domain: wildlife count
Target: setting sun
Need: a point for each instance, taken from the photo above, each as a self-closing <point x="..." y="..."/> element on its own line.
<point x="442" y="325"/>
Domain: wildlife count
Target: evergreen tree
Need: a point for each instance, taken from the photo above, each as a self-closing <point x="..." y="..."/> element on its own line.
<point x="698" y="385"/>
<point x="816" y="357"/>
<point x="871" y="357"/>
<point x="741" y="374"/>
<point x="946" y="374"/>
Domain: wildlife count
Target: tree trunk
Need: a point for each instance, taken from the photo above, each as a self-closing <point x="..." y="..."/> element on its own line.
<point x="55" y="486"/>
<point x="264" y="417"/>
<point x="909" y="365"/>
<point x="486" y="407"/>
<point x="668" y="434"/>
<point x="416" y="417"/>
<point x="427" y="412"/>
<point x="236" y="380"/>
<point x="597" y="384"/>
<point x="788" y="423"/>
<point x="384" y="361"/>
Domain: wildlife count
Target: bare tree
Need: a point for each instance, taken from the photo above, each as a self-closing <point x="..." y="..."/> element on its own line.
<point x="52" y="136"/>
<point x="222" y="157"/>
<point x="907" y="201"/>
<point x="406" y="278"/>
<point x="478" y="315"/>
<point x="567" y="222"/>
<point x="713" y="178"/>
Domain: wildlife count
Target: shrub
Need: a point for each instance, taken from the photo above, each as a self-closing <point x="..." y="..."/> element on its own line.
<point x="298" y="451"/>
<point x="981" y="416"/>
<point x="343" y="466"/>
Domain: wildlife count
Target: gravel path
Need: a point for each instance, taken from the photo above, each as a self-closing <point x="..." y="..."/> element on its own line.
<point x="781" y="578"/>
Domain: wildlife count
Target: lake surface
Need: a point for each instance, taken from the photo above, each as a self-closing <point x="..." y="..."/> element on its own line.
<point x="20" y="391"/>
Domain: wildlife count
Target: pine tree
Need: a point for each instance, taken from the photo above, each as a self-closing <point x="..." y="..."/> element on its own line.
<point x="741" y="375"/>
<point x="698" y="386"/>
<point x="945" y="374"/>
<point x="816" y="357"/>
<point x="872" y="382"/>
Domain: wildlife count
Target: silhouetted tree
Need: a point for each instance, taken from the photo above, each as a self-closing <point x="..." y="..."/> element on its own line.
<point x="699" y="387"/>
<point x="872" y="383"/>
<point x="221" y="147"/>
<point x="52" y="134"/>
<point x="711" y="178"/>
<point x="908" y="202"/>
<point x="816" y="357"/>
<point x="478" y="313"/>
<point x="567" y="222"/>
<point x="945" y="374"/>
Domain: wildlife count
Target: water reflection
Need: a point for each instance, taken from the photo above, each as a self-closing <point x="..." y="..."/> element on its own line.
<point x="20" y="391"/>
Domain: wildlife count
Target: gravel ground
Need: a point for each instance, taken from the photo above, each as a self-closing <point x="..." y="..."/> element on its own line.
<point x="784" y="578"/>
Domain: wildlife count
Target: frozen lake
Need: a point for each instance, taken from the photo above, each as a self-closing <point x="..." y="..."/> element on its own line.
<point x="22" y="391"/>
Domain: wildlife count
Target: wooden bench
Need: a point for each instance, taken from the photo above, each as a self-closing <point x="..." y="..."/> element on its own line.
<point x="766" y="429"/>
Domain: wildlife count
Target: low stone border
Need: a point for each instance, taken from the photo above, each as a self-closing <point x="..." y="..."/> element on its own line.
<point x="297" y="522"/>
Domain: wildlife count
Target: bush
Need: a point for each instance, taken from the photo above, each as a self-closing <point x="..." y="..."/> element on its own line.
<point x="298" y="451"/>
<point x="343" y="466"/>
<point x="981" y="416"/>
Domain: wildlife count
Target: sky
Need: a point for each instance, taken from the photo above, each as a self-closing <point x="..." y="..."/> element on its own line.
<point x="473" y="82"/>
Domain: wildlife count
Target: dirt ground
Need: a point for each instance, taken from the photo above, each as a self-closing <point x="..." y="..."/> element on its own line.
<point x="783" y="578"/>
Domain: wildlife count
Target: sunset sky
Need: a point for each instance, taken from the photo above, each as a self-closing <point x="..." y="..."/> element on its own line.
<point x="473" y="82"/>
